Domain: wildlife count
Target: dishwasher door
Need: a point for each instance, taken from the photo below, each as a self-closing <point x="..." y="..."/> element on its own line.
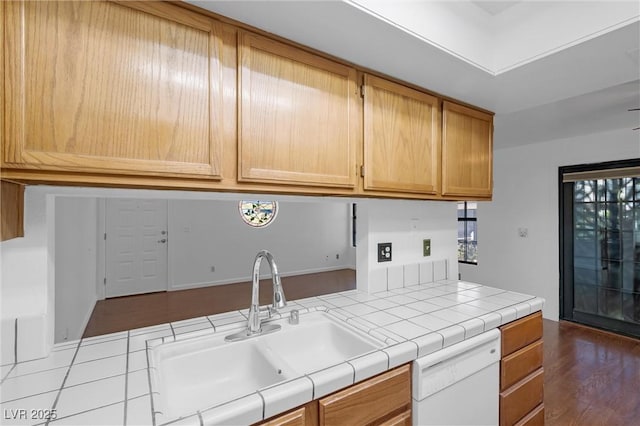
<point x="459" y="385"/>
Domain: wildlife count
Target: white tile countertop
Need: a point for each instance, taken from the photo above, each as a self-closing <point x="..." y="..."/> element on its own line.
<point x="105" y="380"/>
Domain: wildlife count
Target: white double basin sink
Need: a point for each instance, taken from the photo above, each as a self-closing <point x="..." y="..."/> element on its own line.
<point x="201" y="372"/>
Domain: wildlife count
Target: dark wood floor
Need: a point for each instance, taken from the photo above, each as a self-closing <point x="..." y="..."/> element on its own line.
<point x="125" y="313"/>
<point x="591" y="377"/>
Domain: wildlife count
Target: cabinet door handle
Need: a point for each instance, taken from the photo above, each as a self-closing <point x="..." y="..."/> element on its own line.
<point x="164" y="240"/>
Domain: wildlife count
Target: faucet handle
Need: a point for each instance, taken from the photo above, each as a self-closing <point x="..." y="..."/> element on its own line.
<point x="294" y="317"/>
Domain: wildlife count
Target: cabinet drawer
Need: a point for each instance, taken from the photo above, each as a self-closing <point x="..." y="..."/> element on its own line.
<point x="520" y="364"/>
<point x="368" y="401"/>
<point x="402" y="419"/>
<point x="534" y="418"/>
<point x="520" y="399"/>
<point x="520" y="333"/>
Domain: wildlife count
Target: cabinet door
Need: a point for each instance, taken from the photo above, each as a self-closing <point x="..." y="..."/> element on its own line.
<point x="369" y="401"/>
<point x="125" y="88"/>
<point x="401" y="138"/>
<point x="467" y="152"/>
<point x="299" y="116"/>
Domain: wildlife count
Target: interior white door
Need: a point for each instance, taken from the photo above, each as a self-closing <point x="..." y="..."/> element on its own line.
<point x="136" y="246"/>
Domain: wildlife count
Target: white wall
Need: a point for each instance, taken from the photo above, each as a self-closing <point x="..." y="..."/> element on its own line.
<point x="75" y="247"/>
<point x="304" y="238"/>
<point x="27" y="266"/>
<point x="405" y="224"/>
<point x="525" y="195"/>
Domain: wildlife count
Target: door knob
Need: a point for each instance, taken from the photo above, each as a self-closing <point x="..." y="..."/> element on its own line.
<point x="164" y="240"/>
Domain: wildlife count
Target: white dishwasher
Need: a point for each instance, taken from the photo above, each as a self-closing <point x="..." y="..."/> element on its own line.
<point x="459" y="385"/>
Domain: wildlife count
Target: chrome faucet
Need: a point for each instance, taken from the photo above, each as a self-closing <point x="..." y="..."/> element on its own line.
<point x="254" y="323"/>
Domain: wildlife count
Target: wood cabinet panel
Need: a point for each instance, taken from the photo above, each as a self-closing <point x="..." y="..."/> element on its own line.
<point x="520" y="364"/>
<point x="518" y="334"/>
<point x="401" y="138"/>
<point x="306" y="415"/>
<point x="534" y="418"/>
<point x="368" y="401"/>
<point x="519" y="400"/>
<point x="467" y="152"/>
<point x="294" y="418"/>
<point x="11" y="210"/>
<point x="299" y="116"/>
<point x="126" y="88"/>
<point x="403" y="419"/>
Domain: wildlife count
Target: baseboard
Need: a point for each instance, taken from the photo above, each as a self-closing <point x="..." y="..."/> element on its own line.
<point x="187" y="286"/>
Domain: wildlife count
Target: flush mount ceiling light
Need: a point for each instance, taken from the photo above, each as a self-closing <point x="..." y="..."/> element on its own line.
<point x="258" y="213"/>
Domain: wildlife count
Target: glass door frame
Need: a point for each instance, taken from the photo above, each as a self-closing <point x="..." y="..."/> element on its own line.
<point x="566" y="251"/>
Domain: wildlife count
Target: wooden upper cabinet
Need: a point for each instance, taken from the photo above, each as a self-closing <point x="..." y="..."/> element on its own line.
<point x="401" y="138"/>
<point x="120" y="88"/>
<point x="12" y="208"/>
<point x="467" y="152"/>
<point x="299" y="116"/>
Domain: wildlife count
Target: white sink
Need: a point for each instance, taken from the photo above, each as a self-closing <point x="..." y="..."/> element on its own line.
<point x="205" y="371"/>
<point x="318" y="341"/>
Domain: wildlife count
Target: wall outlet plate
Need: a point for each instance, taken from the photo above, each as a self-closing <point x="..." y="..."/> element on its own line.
<point x="426" y="247"/>
<point x="384" y="252"/>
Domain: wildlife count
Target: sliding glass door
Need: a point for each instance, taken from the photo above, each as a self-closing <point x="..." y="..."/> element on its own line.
<point x="600" y="245"/>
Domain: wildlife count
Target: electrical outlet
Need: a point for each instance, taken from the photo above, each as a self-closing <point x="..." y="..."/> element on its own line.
<point x="384" y="252"/>
<point x="426" y="247"/>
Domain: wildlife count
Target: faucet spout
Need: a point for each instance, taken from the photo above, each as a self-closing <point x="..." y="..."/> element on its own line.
<point x="254" y="323"/>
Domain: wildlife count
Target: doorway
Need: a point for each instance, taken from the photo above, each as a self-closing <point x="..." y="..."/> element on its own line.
<point x="600" y="245"/>
<point x="136" y="243"/>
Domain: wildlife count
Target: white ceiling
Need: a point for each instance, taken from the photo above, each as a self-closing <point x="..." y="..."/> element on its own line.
<point x="548" y="69"/>
<point x="494" y="8"/>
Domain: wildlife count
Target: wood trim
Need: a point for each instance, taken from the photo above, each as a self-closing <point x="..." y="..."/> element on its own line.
<point x="369" y="400"/>
<point x="12" y="209"/>
<point x="166" y="10"/>
<point x="306" y="415"/>
<point x="402" y="419"/>
<point x="518" y="334"/>
<point x="534" y="418"/>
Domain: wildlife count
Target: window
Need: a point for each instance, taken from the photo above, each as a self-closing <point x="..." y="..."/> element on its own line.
<point x="599" y="214"/>
<point x="258" y="213"/>
<point x="467" y="233"/>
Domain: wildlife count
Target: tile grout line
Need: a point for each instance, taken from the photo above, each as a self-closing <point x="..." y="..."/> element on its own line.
<point x="8" y="373"/>
<point x="153" y="411"/>
<point x="83" y="412"/>
<point x="64" y="380"/>
<point x="126" y="382"/>
<point x="211" y="322"/>
<point x="15" y="342"/>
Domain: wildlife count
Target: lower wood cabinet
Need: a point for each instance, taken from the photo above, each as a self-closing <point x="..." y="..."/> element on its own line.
<point x="521" y="372"/>
<point x="307" y="415"/>
<point x="381" y="400"/>
<point x="370" y="402"/>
